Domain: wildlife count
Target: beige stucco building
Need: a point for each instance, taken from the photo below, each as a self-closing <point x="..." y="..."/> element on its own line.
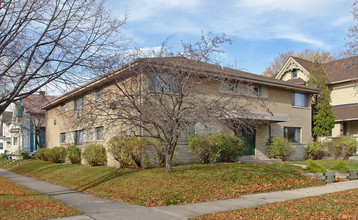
<point x="342" y="78"/>
<point x="276" y="108"/>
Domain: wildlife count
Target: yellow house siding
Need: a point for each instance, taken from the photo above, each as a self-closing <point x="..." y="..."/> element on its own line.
<point x="344" y="93"/>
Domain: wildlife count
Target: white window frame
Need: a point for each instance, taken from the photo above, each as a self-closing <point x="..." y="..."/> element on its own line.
<point x="63" y="138"/>
<point x="99" y="133"/>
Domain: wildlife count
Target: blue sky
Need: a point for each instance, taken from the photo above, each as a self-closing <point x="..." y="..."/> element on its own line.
<point x="260" y="29"/>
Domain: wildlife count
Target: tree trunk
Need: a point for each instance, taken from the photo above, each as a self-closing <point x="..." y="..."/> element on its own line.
<point x="168" y="162"/>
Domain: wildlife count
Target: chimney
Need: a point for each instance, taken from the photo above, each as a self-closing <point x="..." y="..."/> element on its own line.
<point x="43" y="93"/>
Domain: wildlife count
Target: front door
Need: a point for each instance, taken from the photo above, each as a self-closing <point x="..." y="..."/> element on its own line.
<point x="248" y="134"/>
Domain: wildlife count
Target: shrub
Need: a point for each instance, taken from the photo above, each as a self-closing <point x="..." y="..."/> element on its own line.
<point x="339" y="166"/>
<point x="95" y="155"/>
<point x="314" y="168"/>
<point x="42" y="154"/>
<point x="343" y="146"/>
<point x="74" y="154"/>
<point x="128" y="150"/>
<point x="57" y="155"/>
<point x="279" y="148"/>
<point x="213" y="147"/>
<point x="25" y="155"/>
<point x="315" y="151"/>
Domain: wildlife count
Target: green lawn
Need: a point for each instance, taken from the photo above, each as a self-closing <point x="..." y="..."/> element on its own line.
<point x="352" y="165"/>
<point x="17" y="202"/>
<point x="187" y="184"/>
<point x="341" y="205"/>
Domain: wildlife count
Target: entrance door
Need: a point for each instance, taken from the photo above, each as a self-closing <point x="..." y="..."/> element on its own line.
<point x="249" y="137"/>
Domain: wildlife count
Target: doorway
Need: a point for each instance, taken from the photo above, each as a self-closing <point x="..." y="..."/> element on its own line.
<point x="248" y="134"/>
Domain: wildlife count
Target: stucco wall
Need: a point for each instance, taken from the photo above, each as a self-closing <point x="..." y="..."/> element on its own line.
<point x="344" y="93"/>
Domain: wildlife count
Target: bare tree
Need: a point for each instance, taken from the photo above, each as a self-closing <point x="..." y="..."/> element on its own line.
<point x="161" y="97"/>
<point x="307" y="54"/>
<point x="41" y="40"/>
<point x="352" y="37"/>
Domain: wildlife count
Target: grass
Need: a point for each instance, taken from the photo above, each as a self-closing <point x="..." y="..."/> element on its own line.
<point x="17" y="202"/>
<point x="187" y="184"/>
<point x="341" y="205"/>
<point x="352" y="165"/>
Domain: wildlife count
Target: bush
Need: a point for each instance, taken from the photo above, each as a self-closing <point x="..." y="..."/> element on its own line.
<point x="314" y="168"/>
<point x="128" y="150"/>
<point x="343" y="146"/>
<point x="57" y="155"/>
<point x="213" y="147"/>
<point x="42" y="154"/>
<point x="74" y="154"/>
<point x="339" y="166"/>
<point x="315" y="151"/>
<point x="279" y="148"/>
<point x="95" y="155"/>
<point x="25" y="155"/>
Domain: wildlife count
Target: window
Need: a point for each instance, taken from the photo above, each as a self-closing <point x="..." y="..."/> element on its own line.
<point x="294" y="73"/>
<point x="233" y="87"/>
<point x="257" y="89"/>
<point x="1" y="146"/>
<point x="63" y="138"/>
<point x="229" y="87"/>
<point x="292" y="134"/>
<point x="99" y="93"/>
<point x="99" y="134"/>
<point x="14" y="141"/>
<point x="299" y="99"/>
<point x="79" y="104"/>
<point x="62" y="108"/>
<point x="164" y="83"/>
<point x="78" y="137"/>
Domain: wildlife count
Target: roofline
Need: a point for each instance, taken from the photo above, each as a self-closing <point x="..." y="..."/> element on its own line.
<point x="349" y="119"/>
<point x="103" y="79"/>
<point x="343" y="81"/>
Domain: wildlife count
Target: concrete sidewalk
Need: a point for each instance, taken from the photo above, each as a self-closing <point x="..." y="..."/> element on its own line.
<point x="95" y="207"/>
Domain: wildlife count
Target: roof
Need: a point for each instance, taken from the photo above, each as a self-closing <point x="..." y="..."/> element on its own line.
<point x="188" y="65"/>
<point x="345" y="112"/>
<point x="33" y="103"/>
<point x="342" y="70"/>
<point x="336" y="71"/>
<point x="6" y="117"/>
<point x="304" y="63"/>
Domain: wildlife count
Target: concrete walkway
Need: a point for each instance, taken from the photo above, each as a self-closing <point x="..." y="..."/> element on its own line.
<point x="95" y="207"/>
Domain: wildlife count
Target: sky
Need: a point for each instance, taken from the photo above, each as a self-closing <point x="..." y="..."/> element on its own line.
<point x="259" y="29"/>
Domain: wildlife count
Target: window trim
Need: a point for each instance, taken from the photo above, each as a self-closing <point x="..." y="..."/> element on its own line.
<point x="294" y="72"/>
<point x="99" y="93"/>
<point x="285" y="134"/>
<point x="293" y="100"/>
<point x="96" y="133"/>
<point x="76" y="139"/>
<point x="62" y="138"/>
<point x="76" y="107"/>
<point x="157" y="83"/>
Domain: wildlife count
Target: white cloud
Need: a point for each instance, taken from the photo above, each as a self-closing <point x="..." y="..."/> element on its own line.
<point x="304" y="21"/>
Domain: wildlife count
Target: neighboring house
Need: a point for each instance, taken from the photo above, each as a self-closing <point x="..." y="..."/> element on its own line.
<point x="5" y="139"/>
<point x="28" y="124"/>
<point x="342" y="76"/>
<point x="290" y="111"/>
